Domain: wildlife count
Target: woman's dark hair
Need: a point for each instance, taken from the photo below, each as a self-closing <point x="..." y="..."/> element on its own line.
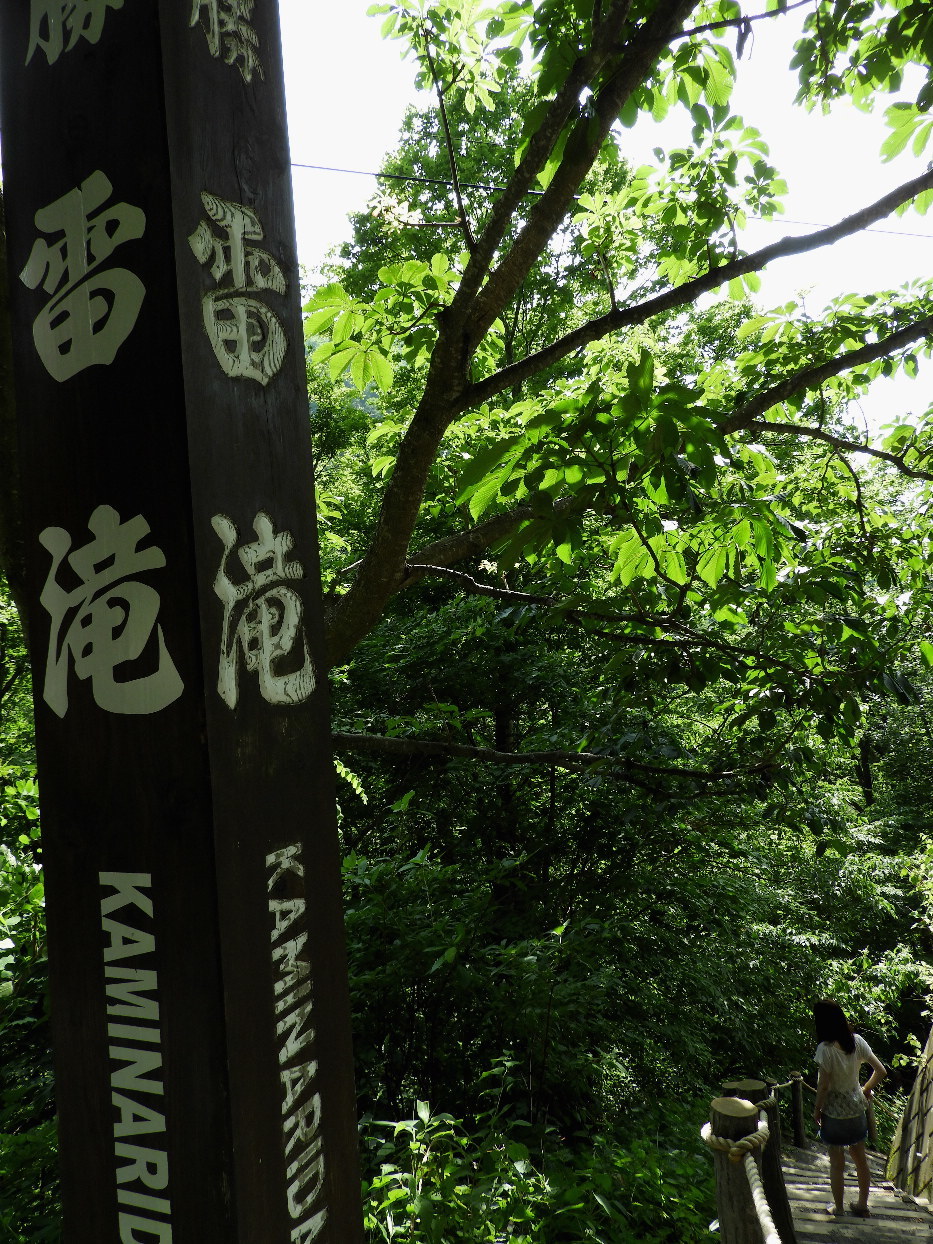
<point x="832" y="1025"/>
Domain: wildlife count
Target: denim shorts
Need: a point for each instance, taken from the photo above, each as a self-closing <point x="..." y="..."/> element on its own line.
<point x="843" y="1131"/>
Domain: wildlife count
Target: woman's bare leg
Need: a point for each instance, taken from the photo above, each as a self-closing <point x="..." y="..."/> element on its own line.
<point x="860" y="1158"/>
<point x="837" y="1166"/>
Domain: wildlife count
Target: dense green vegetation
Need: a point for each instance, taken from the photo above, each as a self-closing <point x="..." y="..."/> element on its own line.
<point x="632" y="649"/>
<point x="551" y="975"/>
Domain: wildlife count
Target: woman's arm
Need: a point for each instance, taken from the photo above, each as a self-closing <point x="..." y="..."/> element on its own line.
<point x="879" y="1071"/>
<point x="822" y="1089"/>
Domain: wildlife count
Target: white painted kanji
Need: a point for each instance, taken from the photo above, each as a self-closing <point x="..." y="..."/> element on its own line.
<point x="91" y="309"/>
<point x="247" y="336"/>
<point x="262" y="616"/>
<point x="107" y="625"/>
<point x="55" y="26"/>
<point x="226" y="24"/>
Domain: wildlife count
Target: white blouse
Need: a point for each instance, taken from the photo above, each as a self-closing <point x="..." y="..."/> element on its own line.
<point x="845" y="1098"/>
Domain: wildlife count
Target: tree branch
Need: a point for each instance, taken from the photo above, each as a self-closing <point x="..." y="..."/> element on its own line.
<point x="383" y="745"/>
<point x="606" y="38"/>
<point x="583" y="145"/>
<point x="451" y="153"/>
<point x="743" y="21"/>
<point x="447" y="391"/>
<point x="686" y="294"/>
<point x="680" y="636"/>
<point x="812" y="377"/>
<point x="841" y="444"/>
<point x="476" y="540"/>
<point x="416" y="571"/>
<point x="19" y="668"/>
<point x="859" y="499"/>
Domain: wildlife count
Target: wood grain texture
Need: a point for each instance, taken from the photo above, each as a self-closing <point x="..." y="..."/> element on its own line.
<point x="246" y="1009"/>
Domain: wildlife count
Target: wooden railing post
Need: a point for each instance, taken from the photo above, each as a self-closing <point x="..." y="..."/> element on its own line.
<point x="800" y="1131"/>
<point x="872" y="1124"/>
<point x="775" y="1122"/>
<point x="732" y="1118"/>
<point x="772" y="1173"/>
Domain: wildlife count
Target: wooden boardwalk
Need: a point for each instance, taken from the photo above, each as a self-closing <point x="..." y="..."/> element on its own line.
<point x="895" y="1217"/>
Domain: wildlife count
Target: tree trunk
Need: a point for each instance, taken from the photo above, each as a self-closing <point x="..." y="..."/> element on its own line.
<point x="863" y="770"/>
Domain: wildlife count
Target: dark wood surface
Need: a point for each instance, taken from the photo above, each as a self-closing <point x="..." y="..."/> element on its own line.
<point x="198" y="794"/>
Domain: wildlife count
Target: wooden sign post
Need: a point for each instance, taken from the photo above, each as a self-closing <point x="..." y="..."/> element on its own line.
<point x="199" y="994"/>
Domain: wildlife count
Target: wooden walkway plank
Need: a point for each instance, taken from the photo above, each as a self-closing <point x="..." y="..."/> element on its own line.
<point x="895" y="1217"/>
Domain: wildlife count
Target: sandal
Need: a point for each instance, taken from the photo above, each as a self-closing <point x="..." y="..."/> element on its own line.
<point x="832" y="1211"/>
<point x="858" y="1211"/>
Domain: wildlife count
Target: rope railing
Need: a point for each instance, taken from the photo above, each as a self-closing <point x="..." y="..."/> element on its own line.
<point x="738" y="1149"/>
<point x="762" y="1208"/>
<point x="753" y="1205"/>
<point x="745" y="1132"/>
<point x="744" y="1151"/>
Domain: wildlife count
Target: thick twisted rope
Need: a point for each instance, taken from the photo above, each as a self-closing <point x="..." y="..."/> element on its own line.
<point x="796" y="1079"/>
<point x="765" y="1221"/>
<point x="738" y="1149"/>
<point x="744" y="1151"/>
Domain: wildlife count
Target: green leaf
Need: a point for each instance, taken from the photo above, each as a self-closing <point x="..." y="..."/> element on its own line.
<point x="488" y="488"/>
<point x="345" y="326"/>
<point x="641" y="374"/>
<point x="360" y="369"/>
<point x="382" y="465"/>
<point x="381" y="370"/>
<point x="713" y="564"/>
<point x="633" y="560"/>
<point x="666" y="434"/>
<point x="320" y="319"/>
<point x="386" y="428"/>
<point x="741" y="533"/>
<point x="895" y="142"/>
<point x="482" y="463"/>
<point x="338" y="363"/>
<point x="718" y="89"/>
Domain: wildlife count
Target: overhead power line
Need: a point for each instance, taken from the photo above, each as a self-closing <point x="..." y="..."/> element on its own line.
<point x="474" y="185"/>
<point x="822" y="224"/>
<point x="428" y="181"/>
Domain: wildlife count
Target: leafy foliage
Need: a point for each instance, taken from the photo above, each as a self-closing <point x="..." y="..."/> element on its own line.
<point x="641" y="546"/>
<point x="632" y="649"/>
<point x="442" y="1182"/>
<point x="29" y="1208"/>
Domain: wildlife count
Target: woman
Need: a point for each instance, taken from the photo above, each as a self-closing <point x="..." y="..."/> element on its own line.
<point x="840" y="1111"/>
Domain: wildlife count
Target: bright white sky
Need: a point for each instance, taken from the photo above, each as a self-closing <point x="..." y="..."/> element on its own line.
<point x="347" y="91"/>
